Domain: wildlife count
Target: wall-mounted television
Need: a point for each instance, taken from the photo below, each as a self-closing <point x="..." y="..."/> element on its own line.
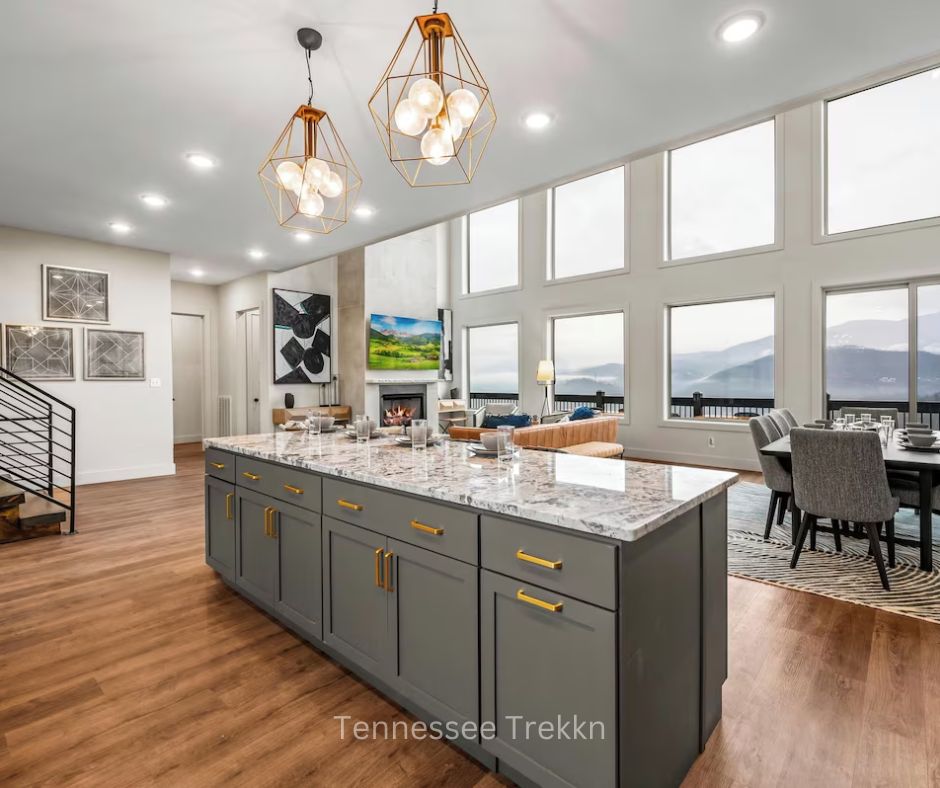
<point x="404" y="343"/>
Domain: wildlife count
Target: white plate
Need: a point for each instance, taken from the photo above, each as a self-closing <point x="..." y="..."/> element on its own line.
<point x="405" y="440"/>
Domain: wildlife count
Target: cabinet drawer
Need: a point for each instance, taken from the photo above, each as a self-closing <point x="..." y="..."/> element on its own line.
<point x="220" y="464"/>
<point x="292" y="485"/>
<point x="438" y="527"/>
<point x="574" y="565"/>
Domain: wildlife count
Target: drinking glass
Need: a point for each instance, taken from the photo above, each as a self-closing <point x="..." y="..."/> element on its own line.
<point x="866" y="418"/>
<point x="838" y="424"/>
<point x="363" y="428"/>
<point x="883" y="435"/>
<point x="849" y="420"/>
<point x="419" y="433"/>
<point x="504" y="442"/>
<point x="313" y="423"/>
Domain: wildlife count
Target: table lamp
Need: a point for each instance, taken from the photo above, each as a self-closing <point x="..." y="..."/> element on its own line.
<point x="545" y="377"/>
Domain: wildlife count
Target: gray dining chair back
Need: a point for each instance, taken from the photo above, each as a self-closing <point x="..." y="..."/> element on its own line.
<point x="788" y="415"/>
<point x="783" y="425"/>
<point x="876" y="413"/>
<point x="776" y="476"/>
<point x="841" y="475"/>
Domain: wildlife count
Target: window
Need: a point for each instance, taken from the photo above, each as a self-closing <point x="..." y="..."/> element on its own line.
<point x="587" y="220"/>
<point x="721" y="194"/>
<point x="493" y="248"/>
<point x="867" y="347"/>
<point x="882" y="155"/>
<point x="721" y="359"/>
<point x="588" y="355"/>
<point x="493" y="363"/>
<point x="928" y="350"/>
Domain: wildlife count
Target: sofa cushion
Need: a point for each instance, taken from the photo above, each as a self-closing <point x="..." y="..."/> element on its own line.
<point x="514" y="420"/>
<point x="595" y="449"/>
<point x="584" y="412"/>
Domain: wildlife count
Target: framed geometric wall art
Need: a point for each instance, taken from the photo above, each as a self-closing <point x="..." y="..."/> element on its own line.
<point x="75" y="294"/>
<point x="301" y="337"/>
<point x="39" y="352"/>
<point x="114" y="355"/>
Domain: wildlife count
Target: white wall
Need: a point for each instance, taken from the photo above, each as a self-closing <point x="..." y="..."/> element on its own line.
<point x="796" y="274"/>
<point x="189" y="298"/>
<point x="124" y="428"/>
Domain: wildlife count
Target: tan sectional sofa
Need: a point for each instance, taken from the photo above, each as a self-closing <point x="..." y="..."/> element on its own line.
<point x="595" y="437"/>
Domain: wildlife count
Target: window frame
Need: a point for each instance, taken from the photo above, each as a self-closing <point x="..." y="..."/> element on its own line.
<point x="820" y="149"/>
<point x="665" y="204"/>
<point x="665" y="358"/>
<point x="465" y="348"/>
<point x="465" y="291"/>
<point x="550" y="222"/>
<point x="623" y="310"/>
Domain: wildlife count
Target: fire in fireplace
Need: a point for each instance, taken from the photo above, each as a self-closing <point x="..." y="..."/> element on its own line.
<point x="400" y="405"/>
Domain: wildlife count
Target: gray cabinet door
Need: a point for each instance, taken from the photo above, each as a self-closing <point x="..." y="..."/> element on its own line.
<point x="540" y="666"/>
<point x="220" y="527"/>
<point x="355" y="620"/>
<point x="298" y="591"/>
<point x="255" y="549"/>
<point x="433" y="638"/>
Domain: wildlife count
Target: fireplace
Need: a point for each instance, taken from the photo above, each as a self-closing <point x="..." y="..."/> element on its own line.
<point x="398" y="405"/>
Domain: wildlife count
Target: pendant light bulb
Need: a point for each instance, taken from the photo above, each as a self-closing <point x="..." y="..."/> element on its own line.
<point x="315" y="170"/>
<point x="437" y="146"/>
<point x="463" y="104"/>
<point x="311" y="204"/>
<point x="290" y="176"/>
<point x="427" y="96"/>
<point x="332" y="185"/>
<point x="409" y="118"/>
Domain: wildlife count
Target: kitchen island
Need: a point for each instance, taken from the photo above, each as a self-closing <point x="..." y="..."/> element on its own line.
<point x="563" y="619"/>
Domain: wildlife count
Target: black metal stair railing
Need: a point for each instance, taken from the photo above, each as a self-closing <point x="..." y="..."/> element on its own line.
<point x="37" y="442"/>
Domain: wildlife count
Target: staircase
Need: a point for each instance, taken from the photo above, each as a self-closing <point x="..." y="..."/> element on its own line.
<point x="37" y="461"/>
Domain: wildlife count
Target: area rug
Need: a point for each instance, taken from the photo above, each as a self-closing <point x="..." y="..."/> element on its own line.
<point x="850" y="575"/>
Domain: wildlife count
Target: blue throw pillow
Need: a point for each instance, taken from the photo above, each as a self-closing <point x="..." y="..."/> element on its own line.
<point x="584" y="412"/>
<point x="515" y="420"/>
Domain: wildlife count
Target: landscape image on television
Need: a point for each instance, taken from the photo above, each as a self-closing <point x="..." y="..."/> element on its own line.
<point x="404" y="343"/>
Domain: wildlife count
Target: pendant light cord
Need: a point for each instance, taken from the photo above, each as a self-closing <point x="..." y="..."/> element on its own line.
<point x="435" y="6"/>
<point x="310" y="80"/>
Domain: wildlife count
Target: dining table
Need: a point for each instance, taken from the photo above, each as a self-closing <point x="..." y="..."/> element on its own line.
<point x="926" y="464"/>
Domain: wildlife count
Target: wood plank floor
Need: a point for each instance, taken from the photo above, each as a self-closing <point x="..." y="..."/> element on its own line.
<point x="124" y="661"/>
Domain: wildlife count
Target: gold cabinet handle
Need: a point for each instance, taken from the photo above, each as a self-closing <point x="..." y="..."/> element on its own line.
<point x="534" y="559"/>
<point x="378" y="568"/>
<point x="295" y="490"/>
<point x="217" y="465"/>
<point x="552" y="607"/>
<point x="253" y="476"/>
<point x="388" y="572"/>
<point x="228" y="506"/>
<point x="356" y="507"/>
<point x="267" y="520"/>
<point x="428" y="529"/>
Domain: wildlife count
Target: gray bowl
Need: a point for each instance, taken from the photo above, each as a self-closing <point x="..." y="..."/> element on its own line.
<point x="921" y="439"/>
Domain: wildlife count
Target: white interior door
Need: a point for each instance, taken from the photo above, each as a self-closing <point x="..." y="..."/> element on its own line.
<point x="253" y="370"/>
<point x="187" y="378"/>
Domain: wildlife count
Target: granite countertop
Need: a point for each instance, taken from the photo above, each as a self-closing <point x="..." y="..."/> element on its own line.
<point x="618" y="499"/>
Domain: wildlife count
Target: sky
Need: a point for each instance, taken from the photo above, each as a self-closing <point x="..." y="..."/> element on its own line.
<point x="720" y="325"/>
<point x="405" y="325"/>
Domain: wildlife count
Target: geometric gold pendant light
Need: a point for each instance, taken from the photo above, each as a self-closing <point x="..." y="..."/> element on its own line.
<point x="432" y="107"/>
<point x="309" y="177"/>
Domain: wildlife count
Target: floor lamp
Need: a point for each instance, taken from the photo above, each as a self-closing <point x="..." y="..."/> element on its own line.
<point x="545" y="377"/>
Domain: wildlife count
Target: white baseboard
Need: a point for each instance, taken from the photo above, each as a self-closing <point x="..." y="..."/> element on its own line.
<point x="682" y="458"/>
<point x="187" y="439"/>
<point x="122" y="474"/>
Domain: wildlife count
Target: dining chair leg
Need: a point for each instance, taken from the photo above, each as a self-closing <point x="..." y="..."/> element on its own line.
<point x="800" y="539"/>
<point x="812" y="533"/>
<point x="837" y="534"/>
<point x="774" y="499"/>
<point x="889" y="536"/>
<point x="875" y="542"/>
<point x="782" y="508"/>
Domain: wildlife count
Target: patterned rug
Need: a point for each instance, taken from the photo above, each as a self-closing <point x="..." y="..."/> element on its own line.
<point x="850" y="575"/>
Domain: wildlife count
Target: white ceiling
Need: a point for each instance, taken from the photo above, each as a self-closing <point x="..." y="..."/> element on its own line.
<point x="100" y="99"/>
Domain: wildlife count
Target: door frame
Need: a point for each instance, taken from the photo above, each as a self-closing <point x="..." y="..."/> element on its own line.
<point x="205" y="381"/>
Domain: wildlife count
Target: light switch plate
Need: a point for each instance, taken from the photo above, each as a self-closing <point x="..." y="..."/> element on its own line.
<point x="155" y="383"/>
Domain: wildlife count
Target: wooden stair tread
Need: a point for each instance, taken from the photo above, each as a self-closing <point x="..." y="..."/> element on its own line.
<point x="10" y="495"/>
<point x="37" y="512"/>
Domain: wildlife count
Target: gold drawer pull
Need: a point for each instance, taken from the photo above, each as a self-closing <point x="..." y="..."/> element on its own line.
<point x="534" y="559"/>
<point x="378" y="568"/>
<point x="388" y="572"/>
<point x="228" y="506"/>
<point x="253" y="476"/>
<point x="267" y="520"/>
<point x="356" y="507"/>
<point x="295" y="490"/>
<point x="217" y="465"/>
<point x="428" y="529"/>
<point x="555" y="607"/>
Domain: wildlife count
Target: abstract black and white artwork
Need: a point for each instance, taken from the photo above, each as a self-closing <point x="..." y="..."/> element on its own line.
<point x="74" y="294"/>
<point x="114" y="355"/>
<point x="301" y="337"/>
<point x="40" y="352"/>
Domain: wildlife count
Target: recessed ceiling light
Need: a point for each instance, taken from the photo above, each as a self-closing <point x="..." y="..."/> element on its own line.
<point x="364" y="212"/>
<point x="154" y="200"/>
<point x="302" y="237"/>
<point x="740" y="27"/>
<point x="121" y="228"/>
<point x="200" y="161"/>
<point x="197" y="273"/>
<point x="536" y="121"/>
<point x="257" y="254"/>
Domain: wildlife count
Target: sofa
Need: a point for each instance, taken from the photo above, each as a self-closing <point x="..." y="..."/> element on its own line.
<point x="595" y="437"/>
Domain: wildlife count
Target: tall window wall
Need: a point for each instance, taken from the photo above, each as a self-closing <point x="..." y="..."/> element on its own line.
<point x="493" y="363"/>
<point x="589" y="361"/>
<point x="492" y="252"/>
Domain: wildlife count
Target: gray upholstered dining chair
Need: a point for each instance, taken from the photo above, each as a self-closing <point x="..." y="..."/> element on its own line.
<point x="782" y="422"/>
<point x="776" y="476"/>
<point x="876" y="413"/>
<point x="841" y="476"/>
<point x="788" y="415"/>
